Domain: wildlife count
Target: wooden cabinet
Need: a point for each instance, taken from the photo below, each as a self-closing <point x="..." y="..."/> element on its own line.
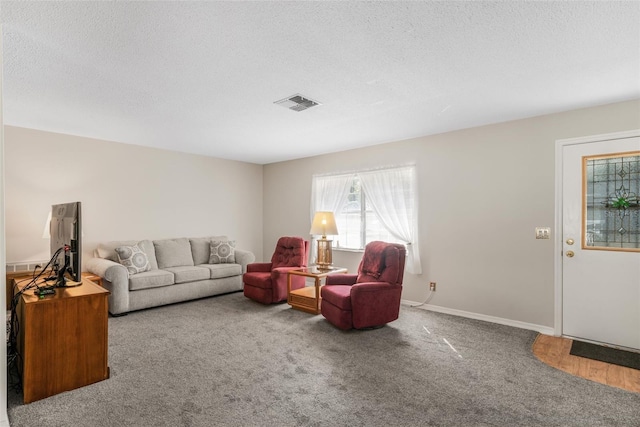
<point x="63" y="340"/>
<point x="22" y="276"/>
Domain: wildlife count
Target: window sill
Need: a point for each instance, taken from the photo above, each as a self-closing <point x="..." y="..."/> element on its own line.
<point x="348" y="250"/>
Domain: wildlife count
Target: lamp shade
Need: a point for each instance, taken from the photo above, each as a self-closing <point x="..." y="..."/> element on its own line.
<point x="324" y="223"/>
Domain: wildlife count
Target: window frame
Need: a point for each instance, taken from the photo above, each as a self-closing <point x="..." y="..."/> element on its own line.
<point x="395" y="193"/>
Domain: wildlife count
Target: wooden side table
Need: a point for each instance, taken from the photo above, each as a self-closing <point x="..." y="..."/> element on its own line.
<point x="308" y="298"/>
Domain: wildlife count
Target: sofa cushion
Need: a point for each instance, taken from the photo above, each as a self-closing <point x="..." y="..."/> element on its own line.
<point x="173" y="253"/>
<point x="338" y="295"/>
<point x="201" y="248"/>
<point x="133" y="258"/>
<point x="218" y="271"/>
<point x="185" y="274"/>
<point x="108" y="250"/>
<point x="222" y="252"/>
<point x="151" y="279"/>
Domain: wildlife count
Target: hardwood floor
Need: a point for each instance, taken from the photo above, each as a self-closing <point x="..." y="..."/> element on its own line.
<point x="554" y="351"/>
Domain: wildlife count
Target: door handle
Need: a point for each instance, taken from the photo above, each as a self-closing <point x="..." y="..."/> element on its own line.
<point x="570" y="242"/>
<point x="570" y="254"/>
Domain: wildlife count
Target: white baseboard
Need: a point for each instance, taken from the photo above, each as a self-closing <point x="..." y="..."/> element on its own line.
<point x="26" y="266"/>
<point x="547" y="330"/>
<point x="4" y="419"/>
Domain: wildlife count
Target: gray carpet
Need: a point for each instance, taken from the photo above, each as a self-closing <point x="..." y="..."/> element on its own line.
<point x="228" y="361"/>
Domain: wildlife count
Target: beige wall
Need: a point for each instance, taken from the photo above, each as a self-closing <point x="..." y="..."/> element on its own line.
<point x="482" y="192"/>
<point x="127" y="192"/>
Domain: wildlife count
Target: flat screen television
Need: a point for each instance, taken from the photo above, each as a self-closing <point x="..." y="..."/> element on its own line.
<point x="65" y="231"/>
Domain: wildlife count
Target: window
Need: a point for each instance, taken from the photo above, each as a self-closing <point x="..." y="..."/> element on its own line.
<point x="358" y="223"/>
<point x="371" y="205"/>
<point x="610" y="214"/>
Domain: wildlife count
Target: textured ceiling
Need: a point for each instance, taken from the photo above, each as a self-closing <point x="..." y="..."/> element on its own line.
<point x="201" y="77"/>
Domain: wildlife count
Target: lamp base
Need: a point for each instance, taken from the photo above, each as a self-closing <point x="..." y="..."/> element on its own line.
<point x="324" y="260"/>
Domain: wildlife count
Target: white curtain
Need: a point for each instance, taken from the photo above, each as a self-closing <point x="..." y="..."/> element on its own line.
<point x="328" y="193"/>
<point x="392" y="194"/>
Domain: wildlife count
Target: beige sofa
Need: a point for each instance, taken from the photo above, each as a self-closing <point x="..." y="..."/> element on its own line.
<point x="178" y="270"/>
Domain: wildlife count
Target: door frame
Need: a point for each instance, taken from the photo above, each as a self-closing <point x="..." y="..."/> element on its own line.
<point x="558" y="255"/>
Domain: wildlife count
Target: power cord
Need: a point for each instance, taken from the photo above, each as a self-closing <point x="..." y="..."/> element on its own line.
<point x="429" y="296"/>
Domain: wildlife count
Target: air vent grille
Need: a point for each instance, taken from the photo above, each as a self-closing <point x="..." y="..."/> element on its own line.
<point x="297" y="102"/>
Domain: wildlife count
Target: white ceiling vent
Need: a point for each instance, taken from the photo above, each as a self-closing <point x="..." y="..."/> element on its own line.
<point x="297" y="102"/>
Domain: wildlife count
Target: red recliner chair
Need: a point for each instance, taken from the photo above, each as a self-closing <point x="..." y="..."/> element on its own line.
<point x="266" y="282"/>
<point x="370" y="298"/>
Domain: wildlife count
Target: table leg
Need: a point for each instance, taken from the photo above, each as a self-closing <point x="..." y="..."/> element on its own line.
<point x="317" y="295"/>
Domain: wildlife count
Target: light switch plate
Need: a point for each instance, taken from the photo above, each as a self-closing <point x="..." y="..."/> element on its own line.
<point x="543" y="233"/>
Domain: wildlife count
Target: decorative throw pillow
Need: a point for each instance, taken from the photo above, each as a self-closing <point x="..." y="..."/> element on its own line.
<point x="133" y="258"/>
<point x="222" y="252"/>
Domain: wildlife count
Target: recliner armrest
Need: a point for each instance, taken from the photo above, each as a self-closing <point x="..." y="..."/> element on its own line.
<point x="282" y="271"/>
<point x="374" y="287"/>
<point x="256" y="267"/>
<point x="341" y="279"/>
<point x="375" y="303"/>
<point x="375" y="295"/>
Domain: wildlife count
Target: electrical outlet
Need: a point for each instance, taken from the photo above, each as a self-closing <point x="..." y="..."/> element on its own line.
<point x="543" y="233"/>
<point x="432" y="286"/>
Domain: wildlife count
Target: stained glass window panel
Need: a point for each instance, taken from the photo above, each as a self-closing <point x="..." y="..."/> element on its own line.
<point x="612" y="202"/>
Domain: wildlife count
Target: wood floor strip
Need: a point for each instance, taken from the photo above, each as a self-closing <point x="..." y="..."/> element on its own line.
<point x="554" y="351"/>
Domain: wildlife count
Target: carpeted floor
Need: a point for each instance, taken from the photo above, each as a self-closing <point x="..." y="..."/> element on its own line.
<point x="228" y="361"/>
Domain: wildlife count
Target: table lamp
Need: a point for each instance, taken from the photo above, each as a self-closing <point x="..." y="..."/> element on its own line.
<point x="324" y="223"/>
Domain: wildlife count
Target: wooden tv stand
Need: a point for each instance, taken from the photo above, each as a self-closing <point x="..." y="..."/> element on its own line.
<point x="63" y="339"/>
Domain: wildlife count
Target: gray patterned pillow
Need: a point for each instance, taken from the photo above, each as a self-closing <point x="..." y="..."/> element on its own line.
<point x="133" y="258"/>
<point x="223" y="252"/>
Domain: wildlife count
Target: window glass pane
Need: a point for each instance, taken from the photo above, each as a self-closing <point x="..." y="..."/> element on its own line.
<point x="349" y="220"/>
<point x="352" y="219"/>
<point x="612" y="205"/>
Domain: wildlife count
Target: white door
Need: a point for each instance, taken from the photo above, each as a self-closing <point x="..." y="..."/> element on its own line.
<point x="601" y="241"/>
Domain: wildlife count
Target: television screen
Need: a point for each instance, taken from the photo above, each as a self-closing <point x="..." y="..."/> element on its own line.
<point x="65" y="231"/>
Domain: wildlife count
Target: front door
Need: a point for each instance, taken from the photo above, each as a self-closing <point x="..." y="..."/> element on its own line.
<point x="601" y="241"/>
